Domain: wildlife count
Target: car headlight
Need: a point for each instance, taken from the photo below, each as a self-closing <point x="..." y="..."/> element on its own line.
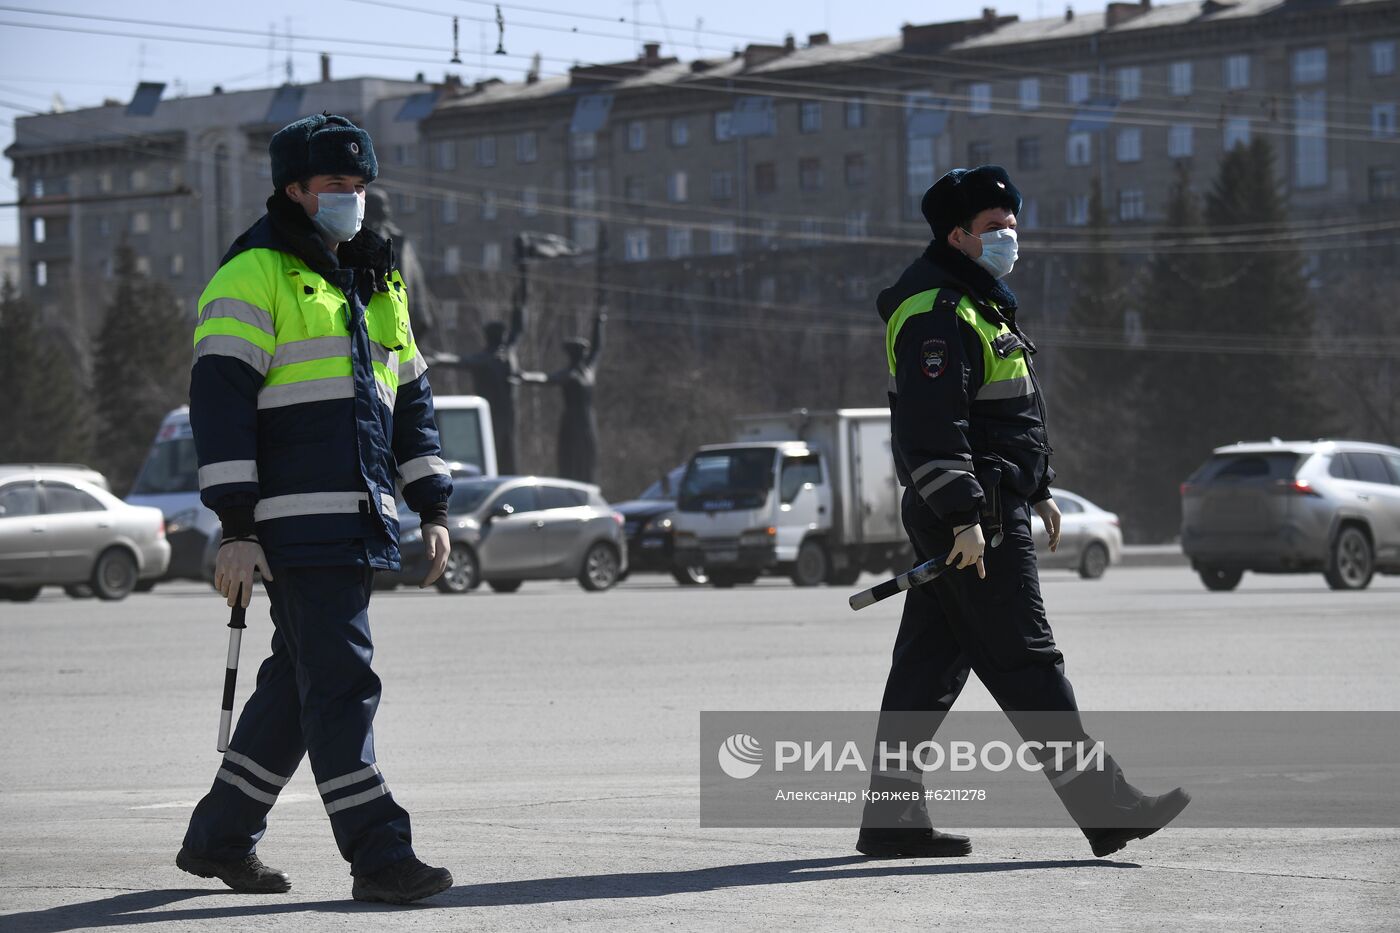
<point x="657" y="525"/>
<point x="758" y="537"/>
<point x="181" y="520"/>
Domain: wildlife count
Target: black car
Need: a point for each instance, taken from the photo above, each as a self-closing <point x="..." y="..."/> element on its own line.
<point x="647" y="525"/>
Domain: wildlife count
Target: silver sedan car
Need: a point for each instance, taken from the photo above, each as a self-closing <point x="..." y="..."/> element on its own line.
<point x="1090" y="537"/>
<point x="509" y="529"/>
<point x="56" y="530"/>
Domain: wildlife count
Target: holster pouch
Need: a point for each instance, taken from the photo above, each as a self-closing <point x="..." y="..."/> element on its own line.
<point x="989" y="477"/>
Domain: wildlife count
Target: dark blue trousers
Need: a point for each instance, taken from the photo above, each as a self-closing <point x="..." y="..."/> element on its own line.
<point x="315" y="695"/>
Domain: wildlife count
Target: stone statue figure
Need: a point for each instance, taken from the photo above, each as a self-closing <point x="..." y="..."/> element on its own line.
<point x="497" y="375"/>
<point x="578" y="425"/>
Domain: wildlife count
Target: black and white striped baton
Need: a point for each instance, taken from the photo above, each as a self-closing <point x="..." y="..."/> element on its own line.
<point x="236" y="626"/>
<point x="928" y="570"/>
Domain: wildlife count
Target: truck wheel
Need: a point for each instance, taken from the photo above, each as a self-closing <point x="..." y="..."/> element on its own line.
<point x="845" y="577"/>
<point x="114" y="574"/>
<point x="690" y="576"/>
<point x="145" y="586"/>
<point x="1351" y="563"/>
<point x="1219" y="579"/>
<point x="1094" y="561"/>
<point x="811" y="565"/>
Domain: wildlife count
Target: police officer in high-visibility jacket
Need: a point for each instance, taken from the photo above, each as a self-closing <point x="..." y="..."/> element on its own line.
<point x="970" y="446"/>
<point x="310" y="404"/>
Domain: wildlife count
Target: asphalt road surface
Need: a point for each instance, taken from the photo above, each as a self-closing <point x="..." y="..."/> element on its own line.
<point x="546" y="744"/>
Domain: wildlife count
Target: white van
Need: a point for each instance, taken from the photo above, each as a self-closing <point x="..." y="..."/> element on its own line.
<point x="465" y="432"/>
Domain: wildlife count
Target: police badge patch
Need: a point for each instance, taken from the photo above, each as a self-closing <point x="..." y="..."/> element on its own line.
<point x="933" y="358"/>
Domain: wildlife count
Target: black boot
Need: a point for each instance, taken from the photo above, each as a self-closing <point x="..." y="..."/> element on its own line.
<point x="401" y="882"/>
<point x="901" y="828"/>
<point x="246" y="875"/>
<point x="1150" y="815"/>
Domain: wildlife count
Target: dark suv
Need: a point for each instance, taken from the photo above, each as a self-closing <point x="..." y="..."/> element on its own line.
<point x="1294" y="507"/>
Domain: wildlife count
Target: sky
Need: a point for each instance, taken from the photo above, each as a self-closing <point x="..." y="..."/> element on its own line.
<point x="80" y="59"/>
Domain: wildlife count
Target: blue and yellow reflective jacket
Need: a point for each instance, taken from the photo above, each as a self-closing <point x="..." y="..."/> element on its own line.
<point x="965" y="402"/>
<point x="309" y="400"/>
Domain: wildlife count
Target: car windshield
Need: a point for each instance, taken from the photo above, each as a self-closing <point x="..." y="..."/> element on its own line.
<point x="459" y="432"/>
<point x="468" y="495"/>
<point x="722" y="480"/>
<point x="1243" y="467"/>
<point x="666" y="487"/>
<point x="171" y="466"/>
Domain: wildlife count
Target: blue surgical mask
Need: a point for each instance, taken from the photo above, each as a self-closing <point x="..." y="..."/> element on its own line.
<point x="340" y="215"/>
<point x="998" y="251"/>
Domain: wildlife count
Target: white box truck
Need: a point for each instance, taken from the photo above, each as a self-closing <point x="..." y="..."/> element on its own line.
<point x="809" y="494"/>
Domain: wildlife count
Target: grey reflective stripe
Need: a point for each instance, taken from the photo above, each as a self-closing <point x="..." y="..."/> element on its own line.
<point x="255" y="769"/>
<point x="939" y="482"/>
<point x="891" y="386"/>
<point x="1010" y="388"/>
<point x="410" y="370"/>
<point x="238" y="311"/>
<point x="316" y="348"/>
<point x="390" y="506"/>
<point x="261" y="796"/>
<point x="960" y="466"/>
<point x="382" y="354"/>
<point x="345" y="780"/>
<point x="386" y="394"/>
<point x="228" y="471"/>
<point x="317" y="390"/>
<point x="354" y="800"/>
<point x="309" y="503"/>
<point x="421" y="467"/>
<point x="236" y="347"/>
<point x="1064" y="777"/>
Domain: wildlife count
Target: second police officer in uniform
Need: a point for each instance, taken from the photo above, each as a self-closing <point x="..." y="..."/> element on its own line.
<point x="970" y="446"/>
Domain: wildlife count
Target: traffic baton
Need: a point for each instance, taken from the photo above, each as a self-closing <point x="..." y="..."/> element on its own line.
<point x="236" y="626"/>
<point x="928" y="570"/>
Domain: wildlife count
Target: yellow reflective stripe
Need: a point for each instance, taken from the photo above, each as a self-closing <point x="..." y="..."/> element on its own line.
<point x="994" y="368"/>
<point x="229" y="327"/>
<point x="308" y="371"/>
<point x="915" y="304"/>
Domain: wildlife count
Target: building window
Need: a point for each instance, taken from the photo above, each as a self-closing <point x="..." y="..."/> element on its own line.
<point x="676" y="188"/>
<point x="809" y="230"/>
<point x="583" y="193"/>
<point x="919" y="168"/>
<point x="857" y="224"/>
<point x="407" y="203"/>
<point x="489" y="206"/>
<point x="1309" y="66"/>
<point x="1179" y="140"/>
<point x="678" y="242"/>
<point x="177" y="265"/>
<point x="1077" y="90"/>
<point x="527" y="147"/>
<point x="636" y="136"/>
<point x="979" y="153"/>
<point x="140" y="222"/>
<point x="1236" y="132"/>
<point x="636" y="244"/>
<point x="38" y="230"/>
<point x="136" y="180"/>
<point x="41" y="273"/>
<point x="1383" y="57"/>
<point x="486" y="151"/>
<point x="1131" y="205"/>
<point x="451" y="259"/>
<point x="1029" y="218"/>
<point x="809" y="116"/>
<point x="177" y="176"/>
<point x="721" y="185"/>
<point x="765" y="177"/>
<point x="722" y="238"/>
<point x="143" y="265"/>
<point x="104" y="182"/>
<point x="854" y="287"/>
<point x="1078" y="149"/>
<point x="1310" y="140"/>
<point x="680" y="131"/>
<point x="1129" y="83"/>
<point x="406" y="154"/>
<point x="1383" y="120"/>
<point x="530" y="201"/>
<point x="855" y="170"/>
<point x="979" y="97"/>
<point x="1030" y="93"/>
<point x="768" y="233"/>
<point x="724" y="126"/>
<point x="809" y="174"/>
<point x="768" y="289"/>
<point x="1028" y="152"/>
<point x="447" y="154"/>
<point x="36" y="188"/>
<point x="1130" y="144"/>
<point x="177" y="220"/>
<point x="1382" y="183"/>
<point x="1236" y="72"/>
<point x="583" y="145"/>
<point x="1181" y="79"/>
<point x="634" y="187"/>
<point x="855" y="113"/>
<point x="1077" y="210"/>
<point x="449" y="210"/>
<point x="104" y="226"/>
<point x="491" y="256"/>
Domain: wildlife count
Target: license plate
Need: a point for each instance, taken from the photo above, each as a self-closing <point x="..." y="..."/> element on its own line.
<point x="722" y="557"/>
<point x="651" y="544"/>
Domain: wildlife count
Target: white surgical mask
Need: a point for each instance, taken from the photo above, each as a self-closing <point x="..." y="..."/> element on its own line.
<point x="998" y="251"/>
<point x="340" y="215"/>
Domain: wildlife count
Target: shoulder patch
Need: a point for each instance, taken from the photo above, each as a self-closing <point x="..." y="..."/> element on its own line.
<point x="933" y="357"/>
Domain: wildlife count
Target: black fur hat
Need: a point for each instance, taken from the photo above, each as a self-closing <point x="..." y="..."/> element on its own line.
<point x="321" y="144"/>
<point x="963" y="193"/>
